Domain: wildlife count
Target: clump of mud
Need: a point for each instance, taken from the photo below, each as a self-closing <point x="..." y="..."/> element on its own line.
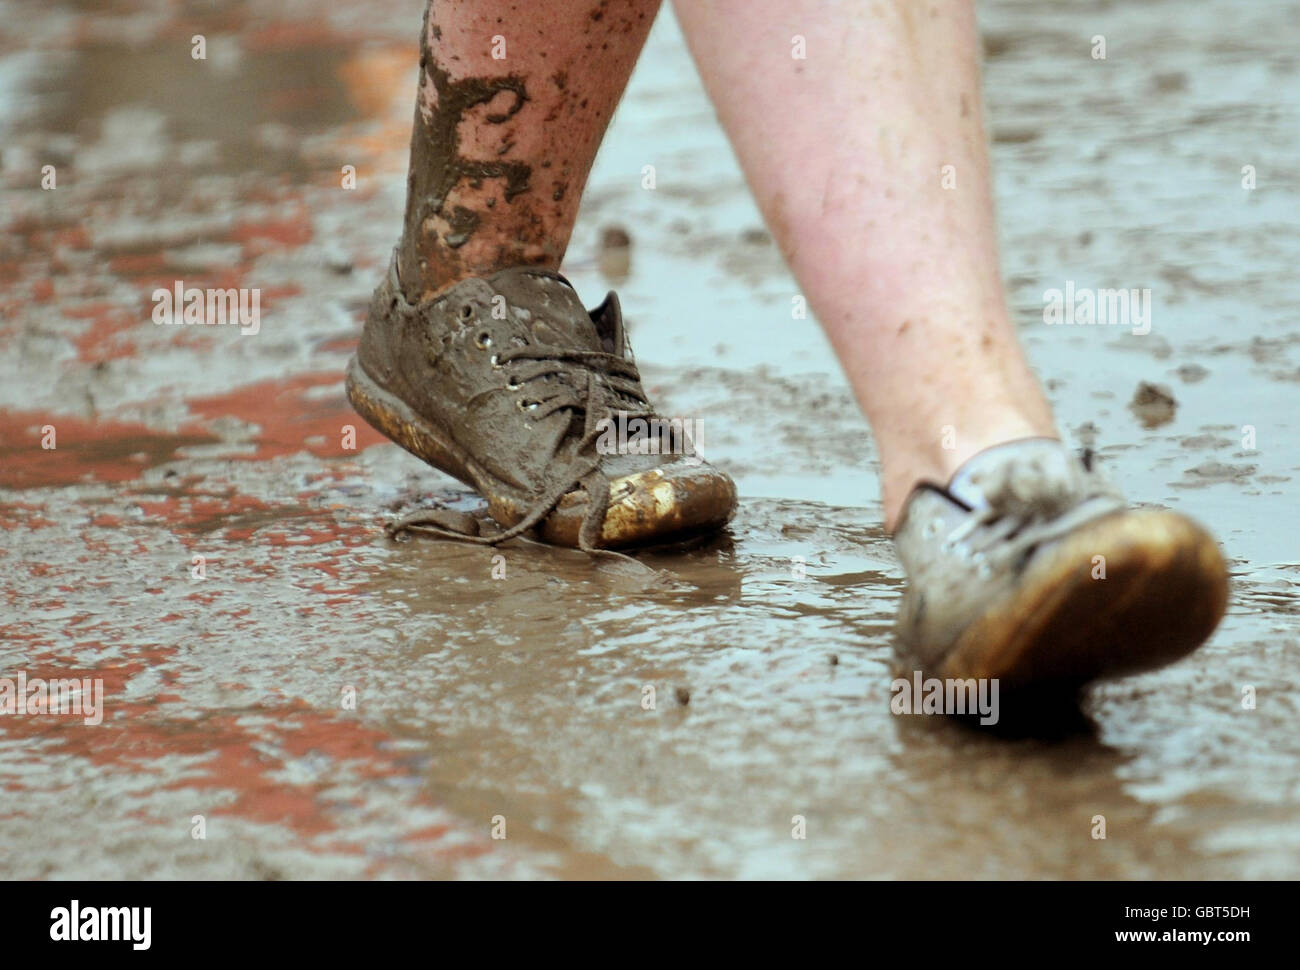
<point x="1192" y="373"/>
<point x="1154" y="404"/>
<point x="615" y="253"/>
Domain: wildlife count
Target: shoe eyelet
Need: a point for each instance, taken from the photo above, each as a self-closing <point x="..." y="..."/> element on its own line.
<point x="525" y="405"/>
<point x="513" y="384"/>
<point x="483" y="341"/>
<point x="466" y="311"/>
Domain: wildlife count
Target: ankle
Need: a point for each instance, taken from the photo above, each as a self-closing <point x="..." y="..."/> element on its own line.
<point x="421" y="279"/>
<point x="421" y="287"/>
<point x="902" y="469"/>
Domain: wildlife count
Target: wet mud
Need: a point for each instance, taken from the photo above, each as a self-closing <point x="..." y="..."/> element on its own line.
<point x="206" y="534"/>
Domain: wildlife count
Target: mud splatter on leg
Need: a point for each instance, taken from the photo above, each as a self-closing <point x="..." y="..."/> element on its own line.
<point x="513" y="101"/>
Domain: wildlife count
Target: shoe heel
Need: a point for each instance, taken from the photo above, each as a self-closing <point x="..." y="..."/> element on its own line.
<point x="391" y="417"/>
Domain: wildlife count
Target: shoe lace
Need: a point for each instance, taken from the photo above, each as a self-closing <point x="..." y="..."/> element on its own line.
<point x="590" y="384"/>
<point x="1015" y="534"/>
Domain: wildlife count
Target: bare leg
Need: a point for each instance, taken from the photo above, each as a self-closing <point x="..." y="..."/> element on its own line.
<point x="845" y="152"/>
<point x="514" y="98"/>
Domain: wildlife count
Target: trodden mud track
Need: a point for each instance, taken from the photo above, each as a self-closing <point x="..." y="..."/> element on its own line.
<point x="521" y="697"/>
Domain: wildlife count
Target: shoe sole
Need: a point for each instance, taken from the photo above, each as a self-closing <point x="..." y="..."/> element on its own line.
<point x="670" y="503"/>
<point x="1164" y="592"/>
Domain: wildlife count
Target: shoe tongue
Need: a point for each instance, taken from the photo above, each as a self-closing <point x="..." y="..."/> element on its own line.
<point x="548" y="308"/>
<point x="1026" y="476"/>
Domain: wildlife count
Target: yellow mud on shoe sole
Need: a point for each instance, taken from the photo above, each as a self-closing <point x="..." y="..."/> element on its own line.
<point x="1130" y="592"/>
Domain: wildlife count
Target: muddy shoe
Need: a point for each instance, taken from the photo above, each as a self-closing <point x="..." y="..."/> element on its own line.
<point x="509" y="385"/>
<point x="1028" y="568"/>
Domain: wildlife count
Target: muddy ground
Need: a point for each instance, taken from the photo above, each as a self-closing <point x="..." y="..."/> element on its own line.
<point x="520" y="696"/>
